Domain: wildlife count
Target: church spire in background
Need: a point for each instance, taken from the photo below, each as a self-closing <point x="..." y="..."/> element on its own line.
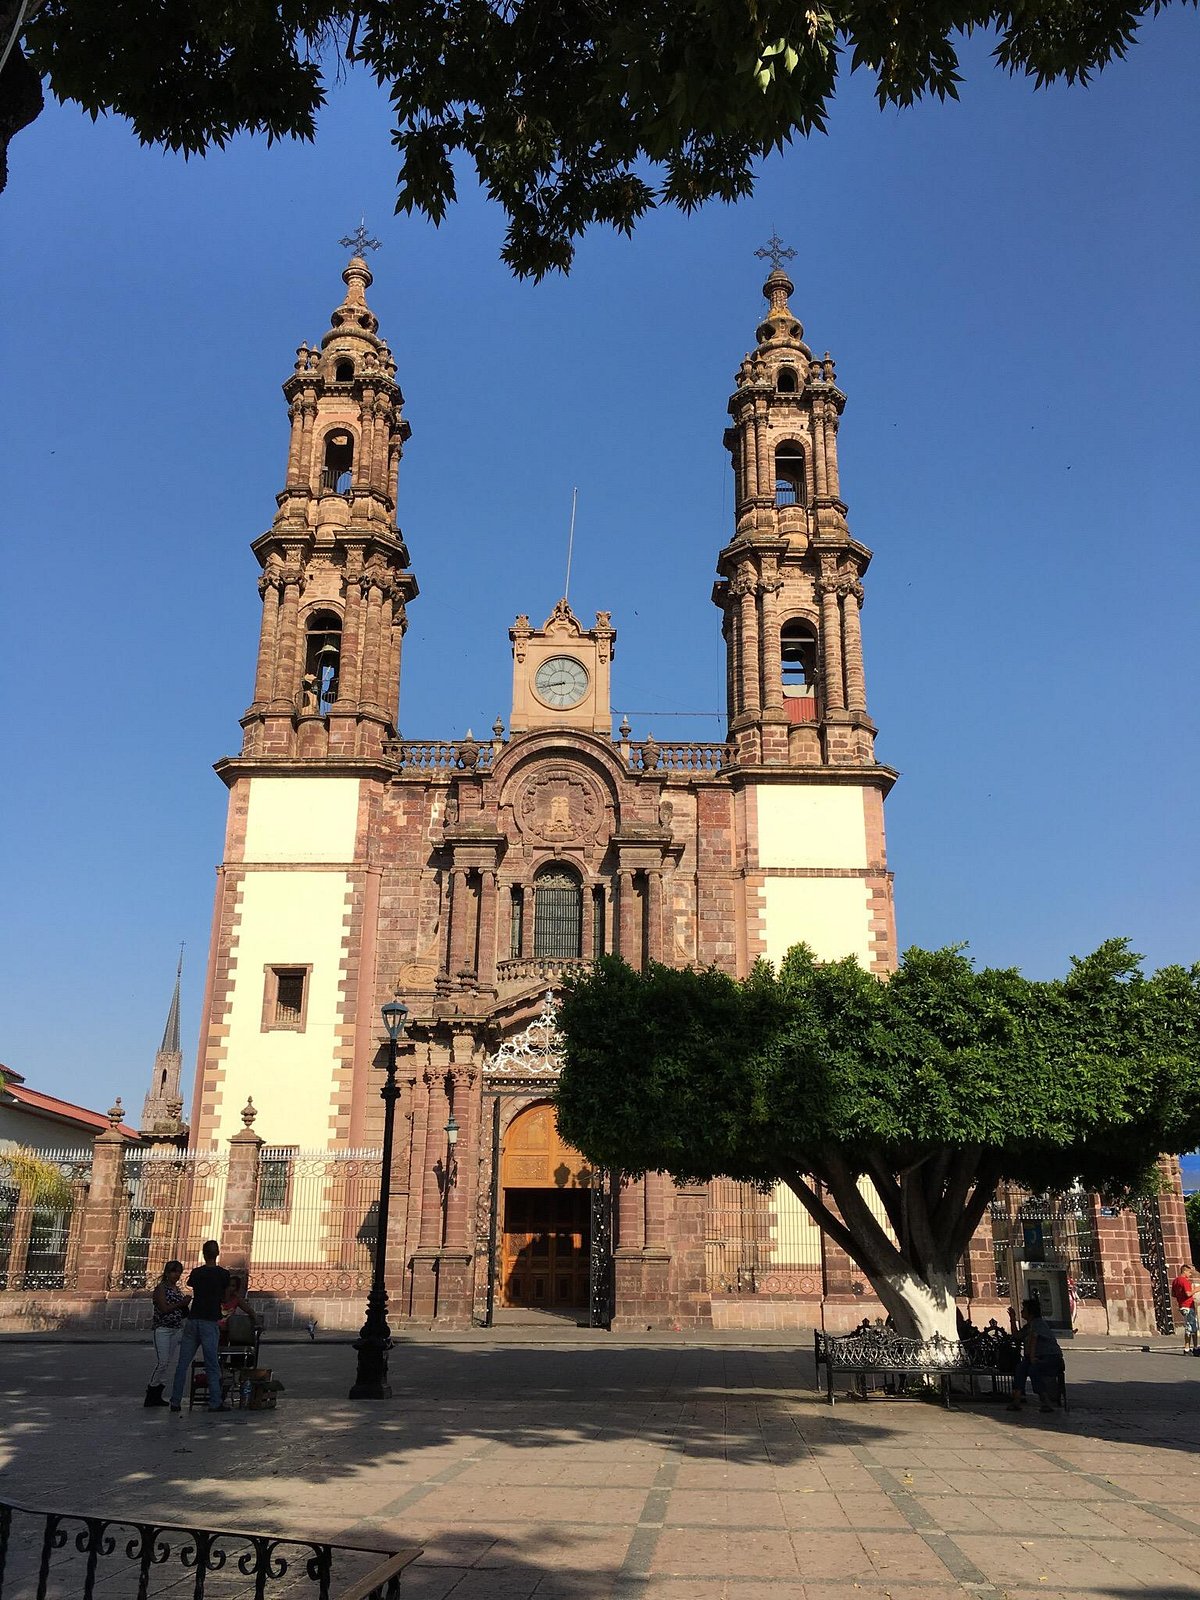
<point x="162" y="1113"/>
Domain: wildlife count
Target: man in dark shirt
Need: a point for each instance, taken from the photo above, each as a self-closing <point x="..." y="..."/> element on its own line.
<point x="201" y="1327"/>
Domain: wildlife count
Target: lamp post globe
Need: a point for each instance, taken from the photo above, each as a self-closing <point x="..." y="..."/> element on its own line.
<point x="375" y="1339"/>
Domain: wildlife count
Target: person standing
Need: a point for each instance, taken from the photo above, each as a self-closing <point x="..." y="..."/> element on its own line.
<point x="208" y="1284"/>
<point x="1183" y="1293"/>
<point x="1041" y="1360"/>
<point x="170" y="1308"/>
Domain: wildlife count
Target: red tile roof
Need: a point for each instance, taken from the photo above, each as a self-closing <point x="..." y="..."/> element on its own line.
<point x="36" y="1101"/>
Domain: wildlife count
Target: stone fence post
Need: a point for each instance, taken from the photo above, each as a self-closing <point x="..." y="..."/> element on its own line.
<point x="101" y="1210"/>
<point x="241" y="1196"/>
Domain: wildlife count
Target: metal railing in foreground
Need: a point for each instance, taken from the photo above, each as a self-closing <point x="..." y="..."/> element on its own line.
<point x="53" y="1554"/>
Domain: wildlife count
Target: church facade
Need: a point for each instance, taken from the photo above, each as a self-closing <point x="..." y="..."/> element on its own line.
<point x="466" y="877"/>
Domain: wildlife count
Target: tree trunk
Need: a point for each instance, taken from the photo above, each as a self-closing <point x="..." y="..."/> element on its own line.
<point x="919" y="1306"/>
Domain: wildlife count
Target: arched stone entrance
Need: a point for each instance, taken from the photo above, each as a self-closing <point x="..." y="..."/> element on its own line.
<point x="545" y="1215"/>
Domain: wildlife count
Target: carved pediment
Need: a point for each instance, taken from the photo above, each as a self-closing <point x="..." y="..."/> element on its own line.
<point x="559" y="805"/>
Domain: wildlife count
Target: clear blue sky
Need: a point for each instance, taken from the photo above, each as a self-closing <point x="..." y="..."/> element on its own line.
<point x="1009" y="286"/>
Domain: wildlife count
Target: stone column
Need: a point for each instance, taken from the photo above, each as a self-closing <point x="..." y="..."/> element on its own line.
<point x="268" y="637"/>
<point x="1173" y="1215"/>
<point x="685" y="1275"/>
<point x="308" y="414"/>
<point x="366" y="432"/>
<point x="628" y="1266"/>
<point x="458" y="956"/>
<point x="745" y="589"/>
<point x="654" y="914"/>
<point x="241" y="1196"/>
<point x="350" y="665"/>
<point x="764" y="466"/>
<point x="462" y="1080"/>
<point x="488" y="916"/>
<point x="856" y="692"/>
<point x="372" y="625"/>
<point x="772" y="659"/>
<point x="425" y="1258"/>
<point x="831" y="460"/>
<point x="820" y="473"/>
<point x="435" y="1148"/>
<point x="655" y="1192"/>
<point x="101" y="1209"/>
<point x="831" y="648"/>
<point x="629" y="947"/>
<point x="296" y="418"/>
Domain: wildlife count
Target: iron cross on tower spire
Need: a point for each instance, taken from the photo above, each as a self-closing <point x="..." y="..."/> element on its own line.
<point x="774" y="251"/>
<point x="360" y="239"/>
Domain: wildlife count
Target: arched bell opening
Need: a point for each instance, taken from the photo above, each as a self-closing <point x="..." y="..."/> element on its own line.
<point x="322" y="661"/>
<point x="545" y="1212"/>
<point x="337" y="468"/>
<point x="798" y="662"/>
<point x="791" y="483"/>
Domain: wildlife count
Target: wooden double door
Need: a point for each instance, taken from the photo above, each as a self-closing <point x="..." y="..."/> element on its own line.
<point x="546" y="1238"/>
<point x="545" y="1211"/>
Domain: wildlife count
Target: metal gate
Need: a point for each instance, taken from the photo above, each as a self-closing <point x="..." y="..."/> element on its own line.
<point x="600" y="1259"/>
<point x="1154" y="1259"/>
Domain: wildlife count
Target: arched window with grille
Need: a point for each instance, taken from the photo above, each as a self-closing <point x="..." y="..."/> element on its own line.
<point x="558" y="913"/>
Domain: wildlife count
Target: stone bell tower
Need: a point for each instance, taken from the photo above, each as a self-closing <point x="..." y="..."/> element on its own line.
<point x="335" y="579"/>
<point x="790" y="583"/>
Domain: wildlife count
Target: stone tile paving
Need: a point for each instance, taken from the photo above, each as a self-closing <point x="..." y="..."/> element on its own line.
<point x="591" y="1471"/>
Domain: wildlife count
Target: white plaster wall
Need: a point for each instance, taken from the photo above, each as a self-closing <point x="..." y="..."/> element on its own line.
<point x="301" y="819"/>
<point x="831" y="915"/>
<point x="812" y="826"/>
<point x="287" y="919"/>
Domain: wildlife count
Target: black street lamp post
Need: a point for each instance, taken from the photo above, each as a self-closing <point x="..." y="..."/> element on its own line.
<point x="375" y="1340"/>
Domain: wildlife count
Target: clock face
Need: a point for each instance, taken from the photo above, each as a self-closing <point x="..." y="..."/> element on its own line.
<point x="561" y="681"/>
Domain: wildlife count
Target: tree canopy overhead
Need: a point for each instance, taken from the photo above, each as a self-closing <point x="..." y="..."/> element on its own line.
<point x="574" y="113"/>
<point x="934" y="1084"/>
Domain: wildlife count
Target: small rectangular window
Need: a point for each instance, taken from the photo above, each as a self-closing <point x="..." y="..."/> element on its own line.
<point x="285" y="998"/>
<point x="275" y="1181"/>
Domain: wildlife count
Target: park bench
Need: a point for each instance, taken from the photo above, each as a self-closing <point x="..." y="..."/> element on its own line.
<point x="53" y="1555"/>
<point x="878" y="1357"/>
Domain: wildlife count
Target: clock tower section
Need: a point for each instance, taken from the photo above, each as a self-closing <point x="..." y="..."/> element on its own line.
<point x="562" y="674"/>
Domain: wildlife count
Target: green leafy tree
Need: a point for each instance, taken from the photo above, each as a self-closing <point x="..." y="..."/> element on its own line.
<point x="572" y="114"/>
<point x="1192" y="1207"/>
<point x="934" y="1084"/>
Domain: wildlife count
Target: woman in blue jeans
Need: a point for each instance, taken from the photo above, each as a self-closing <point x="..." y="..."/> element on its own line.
<point x="1041" y="1360"/>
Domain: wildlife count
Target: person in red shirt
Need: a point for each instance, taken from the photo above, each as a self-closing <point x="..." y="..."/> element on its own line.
<point x="1184" y="1296"/>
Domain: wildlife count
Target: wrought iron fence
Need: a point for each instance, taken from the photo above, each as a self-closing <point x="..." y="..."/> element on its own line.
<point x="316" y="1220"/>
<point x="760" y="1243"/>
<point x="1047" y="1230"/>
<point x="41" y="1197"/>
<point x="65" y="1553"/>
<point x="172" y="1201"/>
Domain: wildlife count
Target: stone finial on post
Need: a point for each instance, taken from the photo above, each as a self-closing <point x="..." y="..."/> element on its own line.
<point x="241" y="1195"/>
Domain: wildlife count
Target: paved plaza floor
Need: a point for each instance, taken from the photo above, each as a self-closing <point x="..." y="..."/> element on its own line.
<point x="583" y="1468"/>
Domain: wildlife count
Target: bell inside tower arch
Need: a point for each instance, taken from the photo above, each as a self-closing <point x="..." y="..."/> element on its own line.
<point x="789" y="475"/>
<point x="338" y="467"/>
<point x="322" y="661"/>
<point x="798" y="664"/>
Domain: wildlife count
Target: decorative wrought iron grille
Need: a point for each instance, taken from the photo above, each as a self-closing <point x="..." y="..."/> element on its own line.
<point x="557" y="915"/>
<point x="316" y="1225"/>
<point x="1051" y="1230"/>
<point x="173" y="1201"/>
<point x="760" y="1243"/>
<point x="1154" y="1259"/>
<point x="41" y="1197"/>
<point x="600" y="1258"/>
<point x="69" y="1554"/>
